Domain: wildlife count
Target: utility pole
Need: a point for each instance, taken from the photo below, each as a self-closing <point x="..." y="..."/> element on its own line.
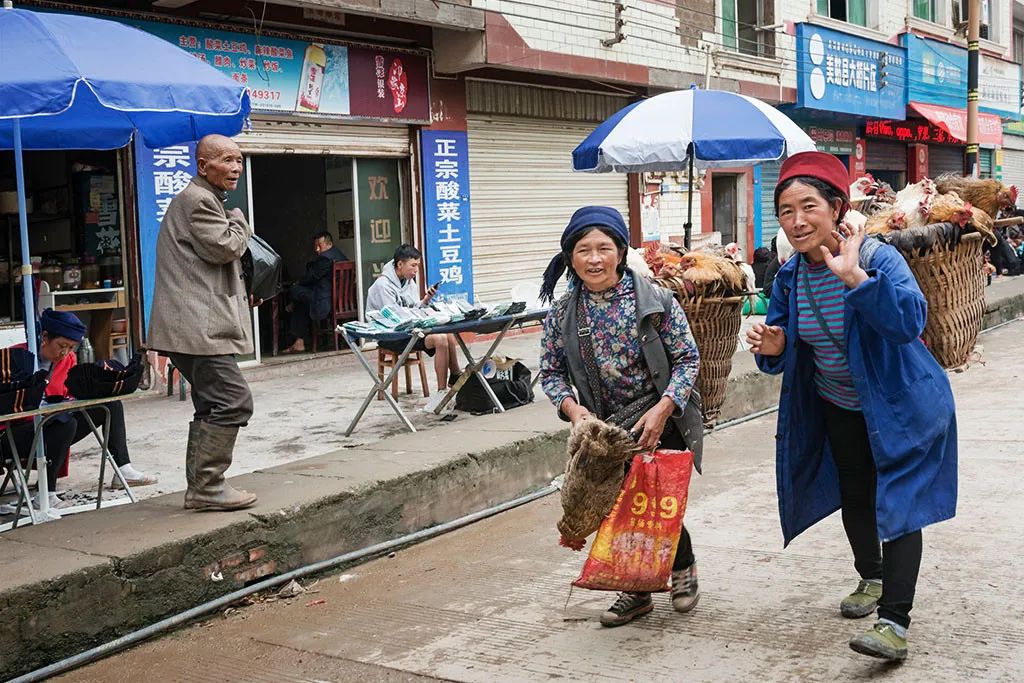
<point x="973" y="33"/>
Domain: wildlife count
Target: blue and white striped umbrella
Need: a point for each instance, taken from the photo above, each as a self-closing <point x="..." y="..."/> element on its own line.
<point x="722" y="129"/>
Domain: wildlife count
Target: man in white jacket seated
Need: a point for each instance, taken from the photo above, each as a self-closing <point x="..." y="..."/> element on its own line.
<point x="397" y="286"/>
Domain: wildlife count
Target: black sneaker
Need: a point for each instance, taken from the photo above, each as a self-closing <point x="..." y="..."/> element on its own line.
<point x="453" y="378"/>
<point x="685" y="591"/>
<point x="626" y="608"/>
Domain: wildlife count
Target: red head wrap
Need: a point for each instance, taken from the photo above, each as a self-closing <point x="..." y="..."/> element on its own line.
<point x="822" y="166"/>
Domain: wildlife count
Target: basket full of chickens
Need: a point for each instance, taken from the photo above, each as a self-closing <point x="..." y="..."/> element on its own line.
<point x="940" y="226"/>
<point x="710" y="288"/>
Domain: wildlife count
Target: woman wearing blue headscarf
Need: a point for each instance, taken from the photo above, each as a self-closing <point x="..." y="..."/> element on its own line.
<point x="619" y="348"/>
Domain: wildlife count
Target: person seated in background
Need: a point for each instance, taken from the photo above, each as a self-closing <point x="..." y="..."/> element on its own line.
<point x="397" y="286"/>
<point x="61" y="332"/>
<point x="310" y="298"/>
<point x="762" y="257"/>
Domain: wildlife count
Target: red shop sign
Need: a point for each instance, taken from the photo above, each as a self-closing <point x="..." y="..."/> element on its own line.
<point x="386" y="84"/>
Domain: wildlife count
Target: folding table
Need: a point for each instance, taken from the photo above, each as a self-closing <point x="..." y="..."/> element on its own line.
<point x="500" y="324"/>
<point x="40" y="417"/>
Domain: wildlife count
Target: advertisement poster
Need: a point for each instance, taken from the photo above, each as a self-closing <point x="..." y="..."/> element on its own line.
<point x="312" y="78"/>
<point x="161" y="174"/>
<point x="844" y="73"/>
<point x="446" y="224"/>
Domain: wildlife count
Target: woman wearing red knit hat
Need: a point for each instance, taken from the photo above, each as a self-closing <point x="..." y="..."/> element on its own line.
<point x="866" y="417"/>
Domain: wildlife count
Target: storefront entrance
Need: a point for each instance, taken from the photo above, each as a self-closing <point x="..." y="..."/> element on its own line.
<point x="76" y="241"/>
<point x="293" y="197"/>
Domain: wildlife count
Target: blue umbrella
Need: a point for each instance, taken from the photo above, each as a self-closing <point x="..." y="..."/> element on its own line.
<point x="62" y="86"/>
<point x="687" y="129"/>
<point x="77" y="82"/>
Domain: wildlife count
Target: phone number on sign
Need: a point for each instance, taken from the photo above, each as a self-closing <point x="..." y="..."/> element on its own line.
<point x="265" y="95"/>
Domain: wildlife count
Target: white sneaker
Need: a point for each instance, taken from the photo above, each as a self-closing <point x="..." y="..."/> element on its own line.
<point x="434" y="401"/>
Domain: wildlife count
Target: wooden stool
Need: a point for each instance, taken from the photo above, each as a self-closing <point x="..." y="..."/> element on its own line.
<point x="387" y="359"/>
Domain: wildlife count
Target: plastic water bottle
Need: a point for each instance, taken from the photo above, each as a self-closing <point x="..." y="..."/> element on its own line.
<point x="85" y="354"/>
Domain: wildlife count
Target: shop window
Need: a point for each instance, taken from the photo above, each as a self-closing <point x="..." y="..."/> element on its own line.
<point x="960" y="15"/>
<point x="926" y="9"/>
<point x="1018" y="47"/>
<point x="747" y="27"/>
<point x="852" y="11"/>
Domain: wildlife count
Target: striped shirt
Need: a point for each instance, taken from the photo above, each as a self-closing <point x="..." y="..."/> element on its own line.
<point x="831" y="373"/>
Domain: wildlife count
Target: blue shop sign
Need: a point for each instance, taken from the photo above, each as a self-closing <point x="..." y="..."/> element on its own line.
<point x="937" y="72"/>
<point x="446" y="225"/>
<point x="844" y="73"/>
<point x="161" y="174"/>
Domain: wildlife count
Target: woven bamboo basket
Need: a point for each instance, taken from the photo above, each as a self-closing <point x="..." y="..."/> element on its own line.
<point x="951" y="278"/>
<point x="715" y="324"/>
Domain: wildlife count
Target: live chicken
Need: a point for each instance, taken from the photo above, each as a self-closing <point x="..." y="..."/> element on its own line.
<point x="988" y="194"/>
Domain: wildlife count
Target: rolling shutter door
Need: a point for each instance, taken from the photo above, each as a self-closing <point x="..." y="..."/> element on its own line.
<point x="769" y="223"/>
<point x="270" y="136"/>
<point x="523" y="191"/>
<point x="986" y="167"/>
<point x="1013" y="167"/>
<point x="945" y="159"/>
<point x="887" y="156"/>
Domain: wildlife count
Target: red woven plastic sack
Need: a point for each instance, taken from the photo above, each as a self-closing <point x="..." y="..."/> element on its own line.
<point x="636" y="544"/>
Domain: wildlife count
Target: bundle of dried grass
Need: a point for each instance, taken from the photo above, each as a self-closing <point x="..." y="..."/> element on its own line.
<point x="594" y="472"/>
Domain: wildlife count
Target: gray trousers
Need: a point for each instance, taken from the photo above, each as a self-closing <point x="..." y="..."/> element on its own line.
<point x="220" y="393"/>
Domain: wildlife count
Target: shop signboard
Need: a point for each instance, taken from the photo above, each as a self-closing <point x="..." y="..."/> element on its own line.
<point x="999" y="87"/>
<point x="161" y="174"/>
<point x="936" y="72"/>
<point x="446" y="225"/>
<point x="379" y="216"/>
<point x="845" y="73"/>
<point x="319" y="78"/>
<point x="831" y="139"/>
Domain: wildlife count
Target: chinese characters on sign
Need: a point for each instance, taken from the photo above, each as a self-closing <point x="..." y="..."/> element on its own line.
<point x="446" y="213"/>
<point x="909" y="131"/>
<point x="846" y="73"/>
<point x="291" y="75"/>
<point x="161" y="174"/>
<point x="379" y="212"/>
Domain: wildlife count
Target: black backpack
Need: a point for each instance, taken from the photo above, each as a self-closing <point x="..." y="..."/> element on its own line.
<point x="512" y="393"/>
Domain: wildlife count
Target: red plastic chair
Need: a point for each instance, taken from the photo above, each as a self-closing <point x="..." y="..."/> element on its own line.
<point x="344" y="302"/>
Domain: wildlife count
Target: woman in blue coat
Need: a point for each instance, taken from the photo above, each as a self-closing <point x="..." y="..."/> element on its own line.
<point x="866" y="416"/>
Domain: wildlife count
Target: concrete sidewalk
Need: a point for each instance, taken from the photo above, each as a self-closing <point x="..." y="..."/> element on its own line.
<point x="94" y="576"/>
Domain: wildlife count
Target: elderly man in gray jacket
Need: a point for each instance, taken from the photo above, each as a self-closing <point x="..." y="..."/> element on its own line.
<point x="200" y="318"/>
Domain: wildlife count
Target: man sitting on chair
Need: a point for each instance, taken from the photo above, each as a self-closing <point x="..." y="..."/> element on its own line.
<point x="397" y="286"/>
<point x="310" y="297"/>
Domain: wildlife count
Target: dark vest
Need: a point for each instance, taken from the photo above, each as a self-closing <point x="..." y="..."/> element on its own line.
<point x="650" y="301"/>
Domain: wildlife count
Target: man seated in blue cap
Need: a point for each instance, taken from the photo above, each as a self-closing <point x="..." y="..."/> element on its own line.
<point x="61" y="333"/>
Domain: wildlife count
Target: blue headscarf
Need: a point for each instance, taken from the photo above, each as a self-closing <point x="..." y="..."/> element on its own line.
<point x="61" y="324"/>
<point x="584" y="219"/>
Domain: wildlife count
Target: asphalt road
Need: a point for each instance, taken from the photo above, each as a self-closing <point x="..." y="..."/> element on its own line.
<point x="491" y="602"/>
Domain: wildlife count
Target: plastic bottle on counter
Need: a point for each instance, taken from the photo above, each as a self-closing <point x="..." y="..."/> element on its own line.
<point x="85" y="352"/>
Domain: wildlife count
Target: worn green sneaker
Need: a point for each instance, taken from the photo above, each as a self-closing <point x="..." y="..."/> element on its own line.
<point x="881" y="641"/>
<point x="862" y="601"/>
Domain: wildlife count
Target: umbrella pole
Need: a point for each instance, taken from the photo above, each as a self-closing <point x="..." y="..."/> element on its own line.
<point x="689" y="206"/>
<point x="30" y="308"/>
